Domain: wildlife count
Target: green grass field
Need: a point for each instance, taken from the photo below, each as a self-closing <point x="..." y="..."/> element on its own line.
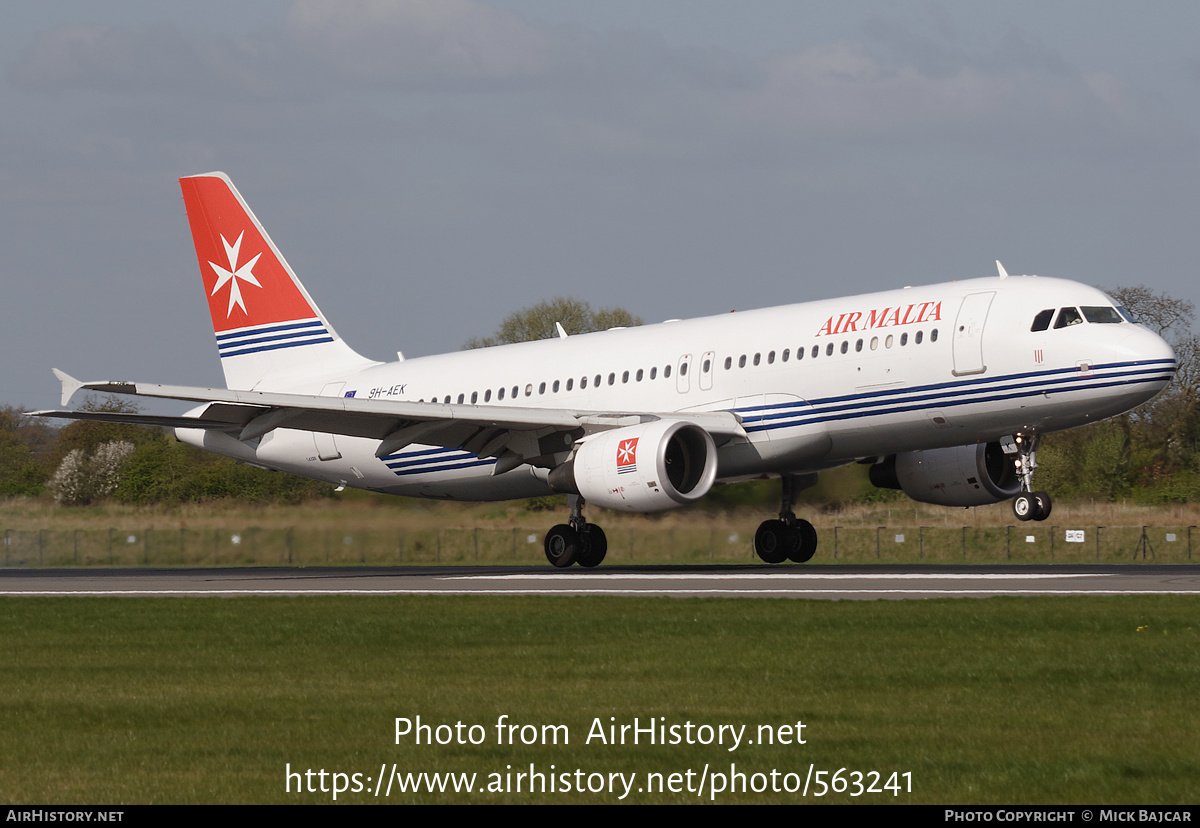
<point x="1002" y="700"/>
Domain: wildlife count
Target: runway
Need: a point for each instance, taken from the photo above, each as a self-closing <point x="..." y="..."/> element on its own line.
<point x="812" y="582"/>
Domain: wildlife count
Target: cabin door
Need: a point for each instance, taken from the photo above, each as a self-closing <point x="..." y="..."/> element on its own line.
<point x="968" y="334"/>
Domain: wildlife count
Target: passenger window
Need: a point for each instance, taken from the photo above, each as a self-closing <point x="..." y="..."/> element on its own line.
<point x="728" y="363"/>
<point x="904" y="339"/>
<point x="771" y="358"/>
<point x="474" y="397"/>
<point x="582" y="383"/>
<point x="460" y="399"/>
<point x="570" y="383"/>
<point x="858" y="345"/>
<point x="554" y="387"/>
<point x="1067" y="317"/>
<point x="500" y="394"/>
<point x="933" y="335"/>
<point x="845" y="346"/>
<point x="829" y="349"/>
<point x="666" y="372"/>
<point x="638" y="376"/>
<point x="1042" y="320"/>
<point x="919" y="335"/>
<point x="757" y="357"/>
<point x="816" y="350"/>
<point x="786" y="353"/>
<point x="654" y="370"/>
<point x="742" y="361"/>
<point x="487" y="395"/>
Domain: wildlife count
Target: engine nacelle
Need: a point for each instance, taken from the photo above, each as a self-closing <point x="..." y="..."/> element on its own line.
<point x="644" y="468"/>
<point x="960" y="476"/>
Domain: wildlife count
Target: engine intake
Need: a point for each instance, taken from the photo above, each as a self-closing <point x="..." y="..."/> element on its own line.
<point x="659" y="465"/>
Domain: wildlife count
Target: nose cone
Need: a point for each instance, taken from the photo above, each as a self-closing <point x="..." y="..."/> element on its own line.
<point x="1151" y="361"/>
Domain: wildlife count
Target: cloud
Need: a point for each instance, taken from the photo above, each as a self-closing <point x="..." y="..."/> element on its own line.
<point x="419" y="43"/>
<point x="156" y="59"/>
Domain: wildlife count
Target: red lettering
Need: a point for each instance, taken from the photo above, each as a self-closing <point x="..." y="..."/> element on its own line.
<point x="850" y="322"/>
<point x="827" y="328"/>
<point x="877" y="319"/>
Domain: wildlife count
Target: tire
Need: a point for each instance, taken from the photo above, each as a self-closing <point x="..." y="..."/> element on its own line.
<point x="1024" y="506"/>
<point x="806" y="545"/>
<point x="771" y="541"/>
<point x="1044" y="505"/>
<point x="593" y="546"/>
<point x="562" y="545"/>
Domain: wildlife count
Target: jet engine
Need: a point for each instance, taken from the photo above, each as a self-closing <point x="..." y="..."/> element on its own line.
<point x="658" y="465"/>
<point x="961" y="476"/>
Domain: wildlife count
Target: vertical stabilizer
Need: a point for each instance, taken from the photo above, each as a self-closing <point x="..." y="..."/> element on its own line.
<point x="270" y="333"/>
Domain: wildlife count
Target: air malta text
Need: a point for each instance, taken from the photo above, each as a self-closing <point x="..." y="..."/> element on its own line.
<point x="885" y="318"/>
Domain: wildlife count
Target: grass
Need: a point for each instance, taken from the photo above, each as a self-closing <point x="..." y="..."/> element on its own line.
<point x="1005" y="701"/>
<point x="397" y="530"/>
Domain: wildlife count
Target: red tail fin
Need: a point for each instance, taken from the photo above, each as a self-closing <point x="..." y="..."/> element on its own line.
<point x="269" y="331"/>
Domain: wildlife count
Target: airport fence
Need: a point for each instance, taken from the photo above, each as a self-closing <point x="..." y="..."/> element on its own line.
<point x="297" y="546"/>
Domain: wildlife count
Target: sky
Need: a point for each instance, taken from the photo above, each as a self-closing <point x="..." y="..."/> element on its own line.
<point x="429" y="166"/>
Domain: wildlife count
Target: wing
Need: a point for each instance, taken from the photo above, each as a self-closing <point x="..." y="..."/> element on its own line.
<point x="515" y="436"/>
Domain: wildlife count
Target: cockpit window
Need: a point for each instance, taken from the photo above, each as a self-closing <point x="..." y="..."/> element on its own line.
<point x="1068" y="316"/>
<point x="1101" y="315"/>
<point x="1125" y="312"/>
<point x="1042" y="320"/>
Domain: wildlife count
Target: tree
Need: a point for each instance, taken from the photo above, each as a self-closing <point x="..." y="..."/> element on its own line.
<point x="1160" y="312"/>
<point x="537" y="322"/>
<point x="25" y="443"/>
<point x="1164" y="434"/>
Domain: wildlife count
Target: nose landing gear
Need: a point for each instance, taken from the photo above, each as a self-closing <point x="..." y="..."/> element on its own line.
<point x="1029" y="505"/>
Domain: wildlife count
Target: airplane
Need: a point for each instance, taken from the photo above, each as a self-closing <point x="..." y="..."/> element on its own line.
<point x="945" y="390"/>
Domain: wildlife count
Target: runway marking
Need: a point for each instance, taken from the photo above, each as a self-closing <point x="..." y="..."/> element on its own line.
<point x="777" y="576"/>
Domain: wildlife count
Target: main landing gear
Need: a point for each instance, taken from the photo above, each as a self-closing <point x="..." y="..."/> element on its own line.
<point x="789" y="538"/>
<point x="577" y="541"/>
<point x="1028" y="505"/>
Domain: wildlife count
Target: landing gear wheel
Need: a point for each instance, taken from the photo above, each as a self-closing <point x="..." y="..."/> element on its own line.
<point x="806" y="545"/>
<point x="594" y="546"/>
<point x="1044" y="505"/>
<point x="562" y="545"/>
<point x="773" y="540"/>
<point x="1024" y="506"/>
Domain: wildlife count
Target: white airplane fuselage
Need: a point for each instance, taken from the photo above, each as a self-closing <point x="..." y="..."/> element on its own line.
<point x="816" y="385"/>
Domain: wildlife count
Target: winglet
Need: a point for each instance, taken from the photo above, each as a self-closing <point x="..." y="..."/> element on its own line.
<point x="562" y="334"/>
<point x="69" y="385"/>
<point x="1000" y="267"/>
